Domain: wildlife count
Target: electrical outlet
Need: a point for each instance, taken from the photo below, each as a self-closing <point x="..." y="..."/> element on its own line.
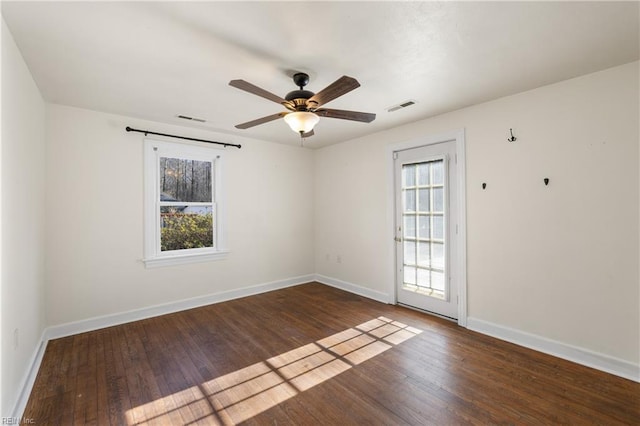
<point x="16" y="338"/>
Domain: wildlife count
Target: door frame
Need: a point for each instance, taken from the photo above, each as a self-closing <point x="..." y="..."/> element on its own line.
<point x="461" y="218"/>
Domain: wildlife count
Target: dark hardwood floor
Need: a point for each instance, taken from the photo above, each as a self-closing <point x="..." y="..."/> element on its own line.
<point x="312" y="354"/>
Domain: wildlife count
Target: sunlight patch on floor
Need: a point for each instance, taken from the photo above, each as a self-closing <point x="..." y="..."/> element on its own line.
<point x="245" y="393"/>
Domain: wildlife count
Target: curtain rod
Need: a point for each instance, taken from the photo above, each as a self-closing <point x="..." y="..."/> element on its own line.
<point x="147" y="132"/>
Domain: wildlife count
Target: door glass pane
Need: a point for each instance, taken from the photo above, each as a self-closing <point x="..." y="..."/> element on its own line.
<point x="437" y="280"/>
<point x="438" y="199"/>
<point x="424" y="256"/>
<point x="410" y="200"/>
<point x="423" y="174"/>
<point x="185" y="180"/>
<point x="409" y="275"/>
<point x="409" y="226"/>
<point x="423" y="200"/>
<point x="424" y="278"/>
<point x="438" y="227"/>
<point x="186" y="227"/>
<point x="409" y="175"/>
<point x="423" y="226"/>
<point x="437" y="168"/>
<point x="409" y="252"/>
<point x="437" y="255"/>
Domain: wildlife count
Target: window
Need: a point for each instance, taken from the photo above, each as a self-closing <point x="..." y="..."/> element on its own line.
<point x="183" y="204"/>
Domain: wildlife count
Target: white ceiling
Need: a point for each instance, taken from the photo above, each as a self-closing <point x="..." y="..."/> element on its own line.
<point x="155" y="60"/>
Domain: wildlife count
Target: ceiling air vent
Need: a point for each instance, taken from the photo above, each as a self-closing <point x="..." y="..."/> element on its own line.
<point x="400" y="106"/>
<point x="186" y="117"/>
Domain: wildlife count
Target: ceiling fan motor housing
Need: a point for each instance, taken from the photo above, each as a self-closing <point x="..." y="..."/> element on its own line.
<point x="299" y="94"/>
<point x="299" y="97"/>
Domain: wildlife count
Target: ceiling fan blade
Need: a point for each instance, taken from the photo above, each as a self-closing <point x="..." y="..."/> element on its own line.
<point x="338" y="88"/>
<point x="365" y="117"/>
<point x="253" y="89"/>
<point x="262" y="120"/>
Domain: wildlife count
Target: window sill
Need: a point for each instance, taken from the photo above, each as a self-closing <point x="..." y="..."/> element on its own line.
<point x="160" y="261"/>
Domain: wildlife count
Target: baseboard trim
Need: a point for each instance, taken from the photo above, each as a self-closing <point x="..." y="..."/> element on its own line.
<point x="354" y="288"/>
<point x="96" y="323"/>
<point x="586" y="357"/>
<point x="29" y="378"/>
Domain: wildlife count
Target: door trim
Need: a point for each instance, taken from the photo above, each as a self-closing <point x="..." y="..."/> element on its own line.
<point x="461" y="237"/>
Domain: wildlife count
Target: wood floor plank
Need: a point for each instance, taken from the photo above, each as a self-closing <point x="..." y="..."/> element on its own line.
<point x="312" y="354"/>
<point x="102" y="400"/>
<point x="117" y="387"/>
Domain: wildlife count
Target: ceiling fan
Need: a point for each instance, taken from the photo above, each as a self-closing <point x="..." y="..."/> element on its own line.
<point x="303" y="106"/>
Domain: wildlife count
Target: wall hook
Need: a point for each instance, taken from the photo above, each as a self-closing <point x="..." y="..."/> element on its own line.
<point x="512" y="138"/>
<point x="546" y="181"/>
<point x="484" y="185"/>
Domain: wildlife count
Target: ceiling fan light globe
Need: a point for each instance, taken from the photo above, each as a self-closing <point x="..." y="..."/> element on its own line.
<point x="301" y="121"/>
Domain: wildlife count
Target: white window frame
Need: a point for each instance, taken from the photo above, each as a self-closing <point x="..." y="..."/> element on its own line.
<point x="153" y="256"/>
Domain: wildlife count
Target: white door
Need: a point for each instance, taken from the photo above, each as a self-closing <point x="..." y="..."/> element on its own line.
<point x="426" y="202"/>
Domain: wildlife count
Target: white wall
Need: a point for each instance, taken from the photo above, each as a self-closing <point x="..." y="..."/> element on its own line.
<point x="22" y="177"/>
<point x="95" y="213"/>
<point x="557" y="261"/>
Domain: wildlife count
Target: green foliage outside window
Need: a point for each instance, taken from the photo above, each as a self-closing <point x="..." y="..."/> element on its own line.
<point x="184" y="231"/>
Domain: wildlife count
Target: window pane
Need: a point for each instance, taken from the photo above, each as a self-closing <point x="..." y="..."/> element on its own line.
<point x="185" y="180"/>
<point x="438" y="227"/>
<point x="424" y="257"/>
<point x="410" y="200"/>
<point x="438" y="199"/>
<point x="423" y="278"/>
<point x="423" y="174"/>
<point x="423" y="226"/>
<point x="186" y="227"/>
<point x="437" y="280"/>
<point x="437" y="255"/>
<point x="409" y="252"/>
<point x="423" y="200"/>
<point x="409" y="275"/>
<point x="437" y="168"/>
<point x="409" y="175"/>
<point x="410" y="226"/>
